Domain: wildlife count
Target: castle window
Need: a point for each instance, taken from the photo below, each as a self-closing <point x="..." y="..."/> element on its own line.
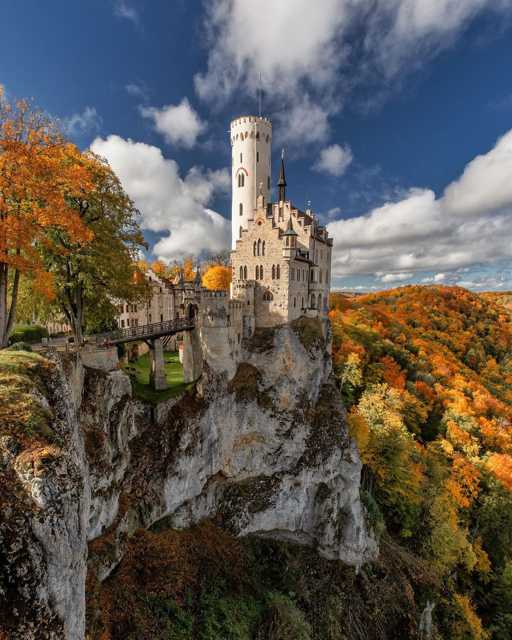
<point x="254" y="248"/>
<point x="241" y="273"/>
<point x="273" y="272"/>
<point x="263" y="248"/>
<point x="240" y="158"/>
<point x="259" y="247"/>
<point x="319" y="302"/>
<point x="278" y="272"/>
<point x="261" y="272"/>
<point x="320" y="276"/>
<point x="241" y="209"/>
<point x="245" y="273"/>
<point x="268" y="182"/>
<point x="161" y="317"/>
<point x="257" y="135"/>
<point x="292" y="274"/>
<point x="294" y="302"/>
<point x="257" y="273"/>
<point x="257" y="156"/>
<point x="302" y="303"/>
<point x="287" y="241"/>
<point x="240" y="232"/>
<point x="241" y="179"/>
<point x="122" y="324"/>
<point x="149" y="318"/>
<point x="313" y="305"/>
<point x="267" y="296"/>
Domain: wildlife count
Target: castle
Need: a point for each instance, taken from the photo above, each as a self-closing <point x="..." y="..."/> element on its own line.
<point x="280" y="260"/>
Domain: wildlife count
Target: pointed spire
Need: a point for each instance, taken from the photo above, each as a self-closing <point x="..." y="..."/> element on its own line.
<point x="282" y="180"/>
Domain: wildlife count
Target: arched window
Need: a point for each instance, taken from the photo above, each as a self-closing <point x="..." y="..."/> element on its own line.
<point x="294" y="302"/>
<point x="268" y="182"/>
<point x="259" y="247"/>
<point x="302" y="303"/>
<point x="287" y="241"/>
<point x="263" y="248"/>
<point x="319" y="302"/>
<point x="257" y="156"/>
<point x="257" y="135"/>
<point x="254" y="248"/>
<point x="241" y="273"/>
<point x="245" y="273"/>
<point x="241" y="209"/>
<point x="278" y="272"/>
<point x="240" y="232"/>
<point x="320" y="276"/>
<point x="257" y="273"/>
<point x="267" y="296"/>
<point x="312" y="305"/>
<point x="273" y="272"/>
<point x="261" y="272"/>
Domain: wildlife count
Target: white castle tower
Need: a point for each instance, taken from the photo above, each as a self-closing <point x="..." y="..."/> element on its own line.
<point x="251" y="143"/>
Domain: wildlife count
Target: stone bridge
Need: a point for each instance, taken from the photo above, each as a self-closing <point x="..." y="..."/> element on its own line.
<point x="154" y="336"/>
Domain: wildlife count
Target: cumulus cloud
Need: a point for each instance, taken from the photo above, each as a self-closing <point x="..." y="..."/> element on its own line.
<point x="168" y="203"/>
<point x="88" y="121"/>
<point x="311" y="55"/>
<point x="469" y="224"/>
<point x="179" y="124"/>
<point x="334" y="159"/>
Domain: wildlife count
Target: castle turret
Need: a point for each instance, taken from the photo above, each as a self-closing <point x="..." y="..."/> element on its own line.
<point x="251" y="143"/>
<point x="289" y="241"/>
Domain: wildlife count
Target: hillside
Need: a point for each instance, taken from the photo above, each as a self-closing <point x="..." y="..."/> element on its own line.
<point x="426" y="376"/>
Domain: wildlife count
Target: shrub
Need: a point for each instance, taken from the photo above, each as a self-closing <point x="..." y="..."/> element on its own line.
<point x="30" y="333"/>
<point x="20" y="346"/>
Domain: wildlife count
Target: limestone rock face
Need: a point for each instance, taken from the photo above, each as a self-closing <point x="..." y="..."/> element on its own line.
<point x="264" y="451"/>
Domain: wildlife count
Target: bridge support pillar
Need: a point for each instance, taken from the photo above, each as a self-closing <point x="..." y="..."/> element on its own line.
<point x="192" y="356"/>
<point x="157" y="378"/>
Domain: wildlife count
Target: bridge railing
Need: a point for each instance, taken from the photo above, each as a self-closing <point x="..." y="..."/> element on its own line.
<point x="143" y="331"/>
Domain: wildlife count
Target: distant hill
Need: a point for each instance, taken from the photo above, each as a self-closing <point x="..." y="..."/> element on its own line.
<point x="426" y="375"/>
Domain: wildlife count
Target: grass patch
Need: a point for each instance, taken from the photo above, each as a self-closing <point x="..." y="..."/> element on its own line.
<point x="21" y="381"/>
<point x="139" y="369"/>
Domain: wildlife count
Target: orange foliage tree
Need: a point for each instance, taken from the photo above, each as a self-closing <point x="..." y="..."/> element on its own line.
<point x="217" y="277"/>
<point x="40" y="173"/>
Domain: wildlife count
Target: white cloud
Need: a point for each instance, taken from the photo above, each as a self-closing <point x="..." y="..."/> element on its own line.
<point x="440" y="277"/>
<point x="334" y="159"/>
<point x="312" y="55"/>
<point x="395" y="277"/>
<point x="123" y="9"/>
<point x="468" y="225"/>
<point x="136" y="90"/>
<point x="179" y="124"/>
<point x="78" y="124"/>
<point x="169" y="203"/>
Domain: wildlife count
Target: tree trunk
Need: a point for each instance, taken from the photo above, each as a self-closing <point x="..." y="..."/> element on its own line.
<point x="4" y="312"/>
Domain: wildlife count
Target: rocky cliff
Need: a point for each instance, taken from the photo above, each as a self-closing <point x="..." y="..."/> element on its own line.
<point x="263" y="452"/>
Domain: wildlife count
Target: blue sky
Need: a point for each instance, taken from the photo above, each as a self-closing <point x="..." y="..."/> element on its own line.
<point x="396" y="117"/>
